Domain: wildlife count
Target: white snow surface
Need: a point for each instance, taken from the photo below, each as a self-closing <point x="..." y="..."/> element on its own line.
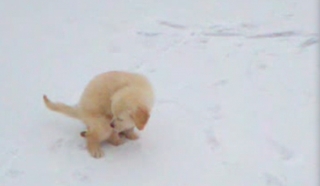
<point x="236" y="87"/>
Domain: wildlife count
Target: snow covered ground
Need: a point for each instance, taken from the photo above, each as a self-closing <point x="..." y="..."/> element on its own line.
<point x="236" y="85"/>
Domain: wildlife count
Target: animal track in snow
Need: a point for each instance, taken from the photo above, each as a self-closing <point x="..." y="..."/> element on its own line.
<point x="211" y="140"/>
<point x="151" y="70"/>
<point x="82" y="146"/>
<point x="61" y="182"/>
<point x="222" y="34"/>
<point x="148" y="34"/>
<point x="57" y="145"/>
<point x="213" y="143"/>
<point x="245" y="31"/>
<point x="220" y="83"/>
<point x="172" y="25"/>
<point x="214" y="112"/>
<point x="62" y="143"/>
<point x="7" y="157"/>
<point x="13" y="173"/>
<point x="273" y="180"/>
<point x="11" y="153"/>
<point x="138" y="66"/>
<point x="309" y="42"/>
<point x="81" y="177"/>
<point x="262" y="66"/>
<point x="275" y="34"/>
<point x="227" y="30"/>
<point x="283" y="152"/>
<point x="114" y="49"/>
<point x="180" y="106"/>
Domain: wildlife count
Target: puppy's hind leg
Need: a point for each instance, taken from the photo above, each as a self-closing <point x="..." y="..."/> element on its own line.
<point x="93" y="145"/>
<point x="98" y="131"/>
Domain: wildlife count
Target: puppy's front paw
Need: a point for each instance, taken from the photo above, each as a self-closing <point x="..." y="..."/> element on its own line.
<point x="131" y="135"/>
<point x="117" y="142"/>
<point x="96" y="152"/>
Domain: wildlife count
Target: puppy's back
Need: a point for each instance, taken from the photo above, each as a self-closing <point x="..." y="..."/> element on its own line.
<point x="97" y="95"/>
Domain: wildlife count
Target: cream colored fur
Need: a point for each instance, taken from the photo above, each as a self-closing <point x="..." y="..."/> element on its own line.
<point x="112" y="103"/>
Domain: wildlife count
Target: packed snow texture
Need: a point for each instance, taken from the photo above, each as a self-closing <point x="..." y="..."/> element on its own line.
<point x="236" y="87"/>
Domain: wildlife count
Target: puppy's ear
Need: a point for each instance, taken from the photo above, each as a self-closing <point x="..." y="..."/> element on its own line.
<point x="140" y="117"/>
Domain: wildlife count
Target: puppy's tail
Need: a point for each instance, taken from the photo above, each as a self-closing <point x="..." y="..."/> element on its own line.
<point x="61" y="107"/>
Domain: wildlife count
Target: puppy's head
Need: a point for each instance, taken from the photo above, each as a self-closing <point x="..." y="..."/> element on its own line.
<point x="129" y="119"/>
<point x="122" y="121"/>
<point x="128" y="110"/>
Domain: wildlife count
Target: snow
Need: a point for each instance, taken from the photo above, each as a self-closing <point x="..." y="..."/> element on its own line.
<point x="236" y="85"/>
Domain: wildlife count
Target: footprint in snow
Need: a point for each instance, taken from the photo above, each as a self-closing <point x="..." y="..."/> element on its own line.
<point x="13" y="173"/>
<point x="57" y="145"/>
<point x="8" y="156"/>
<point x="214" y="112"/>
<point x="272" y="180"/>
<point x="63" y="143"/>
<point x="213" y="143"/>
<point x="284" y="153"/>
<point x="211" y="140"/>
<point x="172" y="25"/>
<point x="309" y="42"/>
<point x="81" y="177"/>
<point x="219" y="83"/>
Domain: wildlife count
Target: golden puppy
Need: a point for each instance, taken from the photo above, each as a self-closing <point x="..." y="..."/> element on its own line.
<point x="112" y="103"/>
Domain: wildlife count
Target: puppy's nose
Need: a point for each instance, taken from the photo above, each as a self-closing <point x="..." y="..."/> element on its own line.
<point x="112" y="124"/>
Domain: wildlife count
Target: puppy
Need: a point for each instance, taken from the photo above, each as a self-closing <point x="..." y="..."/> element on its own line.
<point x="112" y="103"/>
